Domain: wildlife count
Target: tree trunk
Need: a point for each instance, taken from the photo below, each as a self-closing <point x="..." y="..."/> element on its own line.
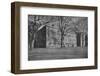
<point x="78" y="37"/>
<point x="86" y="41"/>
<point x="62" y="39"/>
<point x="61" y="30"/>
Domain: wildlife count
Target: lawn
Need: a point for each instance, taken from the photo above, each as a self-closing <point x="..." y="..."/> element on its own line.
<point x="58" y="53"/>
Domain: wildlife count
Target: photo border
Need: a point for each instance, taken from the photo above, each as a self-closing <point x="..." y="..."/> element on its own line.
<point x="15" y="36"/>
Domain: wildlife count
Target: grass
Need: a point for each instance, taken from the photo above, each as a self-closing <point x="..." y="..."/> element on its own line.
<point x="58" y="53"/>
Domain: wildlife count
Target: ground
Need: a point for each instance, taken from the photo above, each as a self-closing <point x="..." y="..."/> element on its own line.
<point x="58" y="53"/>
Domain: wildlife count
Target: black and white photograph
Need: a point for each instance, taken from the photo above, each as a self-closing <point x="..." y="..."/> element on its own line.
<point x="57" y="37"/>
<point x="53" y="37"/>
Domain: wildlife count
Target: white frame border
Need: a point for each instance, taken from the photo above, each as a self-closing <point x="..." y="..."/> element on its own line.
<point x="25" y="64"/>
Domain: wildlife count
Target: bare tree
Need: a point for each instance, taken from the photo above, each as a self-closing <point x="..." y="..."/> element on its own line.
<point x="63" y="25"/>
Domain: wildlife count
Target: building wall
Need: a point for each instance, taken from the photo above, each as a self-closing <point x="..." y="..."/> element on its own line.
<point x="53" y="35"/>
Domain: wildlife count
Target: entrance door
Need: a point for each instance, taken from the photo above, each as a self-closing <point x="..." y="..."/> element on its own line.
<point x="40" y="39"/>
